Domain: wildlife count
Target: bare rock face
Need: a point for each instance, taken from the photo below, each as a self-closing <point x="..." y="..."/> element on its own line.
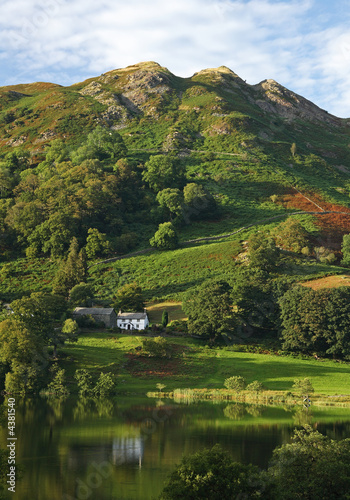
<point x="93" y="89"/>
<point x="17" y="141"/>
<point x="148" y="80"/>
<point x="274" y="98"/>
<point x="47" y="135"/>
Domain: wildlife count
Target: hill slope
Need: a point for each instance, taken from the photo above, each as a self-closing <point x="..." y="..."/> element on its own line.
<point x="233" y="139"/>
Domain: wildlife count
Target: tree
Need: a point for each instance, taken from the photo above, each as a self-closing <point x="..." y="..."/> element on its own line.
<point x="293" y="149"/>
<point x="70" y="329"/>
<point x="96" y="243"/>
<point x="162" y="172"/>
<point x="262" y="252"/>
<point x="157" y="347"/>
<point x="346" y="250"/>
<point x="53" y="235"/>
<point x="303" y="387"/>
<point x="17" y="343"/>
<point x="104" y="386"/>
<point x="312" y="467"/>
<point x="255" y="295"/>
<point x="236" y="383"/>
<point x="337" y="310"/>
<point x="101" y="144"/>
<point x="165" y="319"/>
<point x="171" y="199"/>
<point x="80" y="294"/>
<point x="209" y="310"/>
<point x="71" y="272"/>
<point x="17" y="161"/>
<point x="56" y="152"/>
<point x="303" y="320"/>
<point x="211" y="474"/>
<point x="160" y="387"/>
<point x="129" y="298"/>
<point x="39" y="312"/>
<point x="165" y="238"/>
<point x="84" y="382"/>
<point x="6" y="182"/>
<point x="316" y="320"/>
<point x="291" y="235"/>
<point x="58" y="385"/>
<point x="199" y="204"/>
<point x="24" y="217"/>
<point x="324" y="255"/>
<point x="23" y="379"/>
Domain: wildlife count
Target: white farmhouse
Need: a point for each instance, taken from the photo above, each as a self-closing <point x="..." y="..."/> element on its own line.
<point x="132" y="321"/>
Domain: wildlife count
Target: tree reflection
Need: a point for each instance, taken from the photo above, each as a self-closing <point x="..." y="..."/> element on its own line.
<point x="234" y="411"/>
<point x="303" y="416"/>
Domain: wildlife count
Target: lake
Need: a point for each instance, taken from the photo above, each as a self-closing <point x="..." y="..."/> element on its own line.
<point x="123" y="449"/>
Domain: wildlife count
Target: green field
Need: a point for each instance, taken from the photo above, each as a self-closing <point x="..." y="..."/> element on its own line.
<point x="195" y="365"/>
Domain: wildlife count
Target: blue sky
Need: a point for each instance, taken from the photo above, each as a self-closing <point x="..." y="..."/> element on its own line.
<point x="303" y="44"/>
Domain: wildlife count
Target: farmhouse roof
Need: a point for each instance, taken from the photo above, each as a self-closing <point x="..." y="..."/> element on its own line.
<point x="93" y="310"/>
<point x="131" y="315"/>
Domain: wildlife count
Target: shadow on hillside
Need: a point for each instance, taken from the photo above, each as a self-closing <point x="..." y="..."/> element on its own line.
<point x="170" y="289"/>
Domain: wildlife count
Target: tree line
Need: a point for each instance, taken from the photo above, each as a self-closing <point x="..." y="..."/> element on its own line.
<point x="93" y="192"/>
<point x="311" y="467"/>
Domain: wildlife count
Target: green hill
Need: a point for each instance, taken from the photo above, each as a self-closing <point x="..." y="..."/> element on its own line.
<point x="233" y="140"/>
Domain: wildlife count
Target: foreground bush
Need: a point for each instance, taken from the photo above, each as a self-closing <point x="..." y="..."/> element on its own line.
<point x="311" y="467"/>
<point x="235" y="383"/>
<point x="211" y="474"/>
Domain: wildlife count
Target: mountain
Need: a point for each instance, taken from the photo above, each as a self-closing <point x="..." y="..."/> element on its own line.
<point x="218" y="102"/>
<point x="260" y="151"/>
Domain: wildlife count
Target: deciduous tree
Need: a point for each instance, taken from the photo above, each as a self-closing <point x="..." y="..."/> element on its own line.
<point x="129" y="298"/>
<point x="162" y="172"/>
<point x="212" y="474"/>
<point x="209" y="310"/>
<point x="165" y="238"/>
<point x="312" y="467"/>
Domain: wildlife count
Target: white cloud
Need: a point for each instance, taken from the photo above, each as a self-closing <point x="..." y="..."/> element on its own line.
<point x="68" y="40"/>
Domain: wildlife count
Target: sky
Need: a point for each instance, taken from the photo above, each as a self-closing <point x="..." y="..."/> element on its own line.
<point x="302" y="44"/>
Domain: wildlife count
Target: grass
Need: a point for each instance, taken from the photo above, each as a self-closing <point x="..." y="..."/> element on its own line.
<point x="328" y="282"/>
<point x="174" y="310"/>
<point x="165" y="276"/>
<point x="196" y="366"/>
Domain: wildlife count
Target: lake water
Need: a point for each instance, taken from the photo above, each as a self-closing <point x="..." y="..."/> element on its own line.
<point x="124" y="449"/>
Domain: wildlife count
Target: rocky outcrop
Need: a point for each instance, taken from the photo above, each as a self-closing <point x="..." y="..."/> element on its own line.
<point x="274" y="98"/>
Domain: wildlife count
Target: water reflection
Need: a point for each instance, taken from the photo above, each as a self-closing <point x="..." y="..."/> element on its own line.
<point x="123" y="449"/>
<point x="127" y="451"/>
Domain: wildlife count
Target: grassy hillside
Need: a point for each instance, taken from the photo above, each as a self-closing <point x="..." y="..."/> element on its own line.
<point x="232" y="138"/>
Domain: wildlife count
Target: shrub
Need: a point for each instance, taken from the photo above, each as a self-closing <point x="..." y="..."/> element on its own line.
<point x="57" y="385"/>
<point x="165" y="238"/>
<point x="157" y="347"/>
<point x="105" y="385"/>
<point x="324" y="255"/>
<point x="303" y="387"/>
<point x="212" y="474"/>
<point x="255" y="386"/>
<point x="23" y="379"/>
<point x="236" y="383"/>
<point x="84" y="382"/>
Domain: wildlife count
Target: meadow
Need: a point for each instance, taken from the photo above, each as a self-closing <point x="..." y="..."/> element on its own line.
<point x="194" y="365"/>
